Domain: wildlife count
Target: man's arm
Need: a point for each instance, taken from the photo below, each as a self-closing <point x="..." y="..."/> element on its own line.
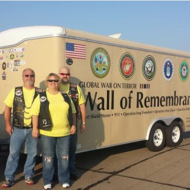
<point x="73" y="127"/>
<point x="83" y="117"/>
<point x="7" y="116"/>
<point x="35" y="130"/>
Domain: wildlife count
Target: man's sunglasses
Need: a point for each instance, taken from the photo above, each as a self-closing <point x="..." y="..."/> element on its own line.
<point x="67" y="74"/>
<point x="29" y="76"/>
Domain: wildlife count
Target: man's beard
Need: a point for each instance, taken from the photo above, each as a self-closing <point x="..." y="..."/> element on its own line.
<point x="65" y="81"/>
<point x="30" y="83"/>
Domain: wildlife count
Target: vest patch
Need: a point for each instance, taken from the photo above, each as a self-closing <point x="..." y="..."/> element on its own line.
<point x="43" y="98"/>
<point x="18" y="92"/>
<point x="73" y="88"/>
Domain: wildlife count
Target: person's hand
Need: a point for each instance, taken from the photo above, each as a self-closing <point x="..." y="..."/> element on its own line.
<point x="9" y="129"/>
<point x="35" y="133"/>
<point x="82" y="127"/>
<point x="73" y="129"/>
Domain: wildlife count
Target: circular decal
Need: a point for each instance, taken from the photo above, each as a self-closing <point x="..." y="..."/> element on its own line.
<point x="4" y="66"/>
<point x="168" y="69"/>
<point x="127" y="66"/>
<point x="100" y="62"/>
<point x="184" y="71"/>
<point x="69" y="61"/>
<point x="12" y="56"/>
<point x="149" y="68"/>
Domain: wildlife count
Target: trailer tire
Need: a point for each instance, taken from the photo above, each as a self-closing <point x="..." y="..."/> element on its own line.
<point x="174" y="134"/>
<point x="157" y="138"/>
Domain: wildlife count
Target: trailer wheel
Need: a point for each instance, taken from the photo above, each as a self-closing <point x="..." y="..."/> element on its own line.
<point x="157" y="139"/>
<point x="174" y="134"/>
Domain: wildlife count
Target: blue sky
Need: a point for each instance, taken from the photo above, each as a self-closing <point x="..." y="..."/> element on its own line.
<point x="159" y="23"/>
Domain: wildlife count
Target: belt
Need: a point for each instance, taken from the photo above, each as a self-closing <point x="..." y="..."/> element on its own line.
<point x="25" y="127"/>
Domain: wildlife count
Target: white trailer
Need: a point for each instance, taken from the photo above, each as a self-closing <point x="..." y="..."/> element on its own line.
<point x="134" y="92"/>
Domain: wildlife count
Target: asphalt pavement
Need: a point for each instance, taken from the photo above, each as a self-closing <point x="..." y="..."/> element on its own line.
<point x="125" y="167"/>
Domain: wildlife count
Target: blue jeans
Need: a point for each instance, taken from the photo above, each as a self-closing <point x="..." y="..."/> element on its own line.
<point x="72" y="150"/>
<point x="17" y="142"/>
<point x="60" y="146"/>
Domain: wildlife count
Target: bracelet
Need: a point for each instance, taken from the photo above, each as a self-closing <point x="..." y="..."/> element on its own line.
<point x="84" y="123"/>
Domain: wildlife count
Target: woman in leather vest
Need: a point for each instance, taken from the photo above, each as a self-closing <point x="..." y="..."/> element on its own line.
<point x="53" y="117"/>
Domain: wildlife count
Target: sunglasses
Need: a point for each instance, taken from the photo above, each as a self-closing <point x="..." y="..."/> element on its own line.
<point x="67" y="74"/>
<point x="29" y="76"/>
<point x="52" y="80"/>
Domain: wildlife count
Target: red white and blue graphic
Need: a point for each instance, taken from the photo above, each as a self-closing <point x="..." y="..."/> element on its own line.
<point x="77" y="51"/>
<point x="127" y="66"/>
<point x="168" y="69"/>
<point x="145" y="86"/>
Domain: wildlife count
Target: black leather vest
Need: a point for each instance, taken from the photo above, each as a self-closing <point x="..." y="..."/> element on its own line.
<point x="73" y="93"/>
<point x="44" y="119"/>
<point x="19" y="107"/>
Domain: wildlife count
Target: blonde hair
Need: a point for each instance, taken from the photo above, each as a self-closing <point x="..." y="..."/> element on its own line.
<point x="54" y="75"/>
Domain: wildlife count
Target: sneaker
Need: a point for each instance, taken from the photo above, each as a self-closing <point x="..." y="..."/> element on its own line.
<point x="73" y="176"/>
<point x="29" y="181"/>
<point x="65" y="185"/>
<point x="48" y="186"/>
<point x="8" y="183"/>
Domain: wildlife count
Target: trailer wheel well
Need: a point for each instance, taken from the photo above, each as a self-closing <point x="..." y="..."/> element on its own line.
<point x="170" y="131"/>
<point x="165" y="124"/>
<point x="181" y="122"/>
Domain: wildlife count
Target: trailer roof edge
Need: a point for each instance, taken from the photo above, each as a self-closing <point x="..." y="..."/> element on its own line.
<point x="15" y="35"/>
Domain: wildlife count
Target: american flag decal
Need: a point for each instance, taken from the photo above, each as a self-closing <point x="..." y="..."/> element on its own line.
<point x="145" y="86"/>
<point x="77" y="51"/>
